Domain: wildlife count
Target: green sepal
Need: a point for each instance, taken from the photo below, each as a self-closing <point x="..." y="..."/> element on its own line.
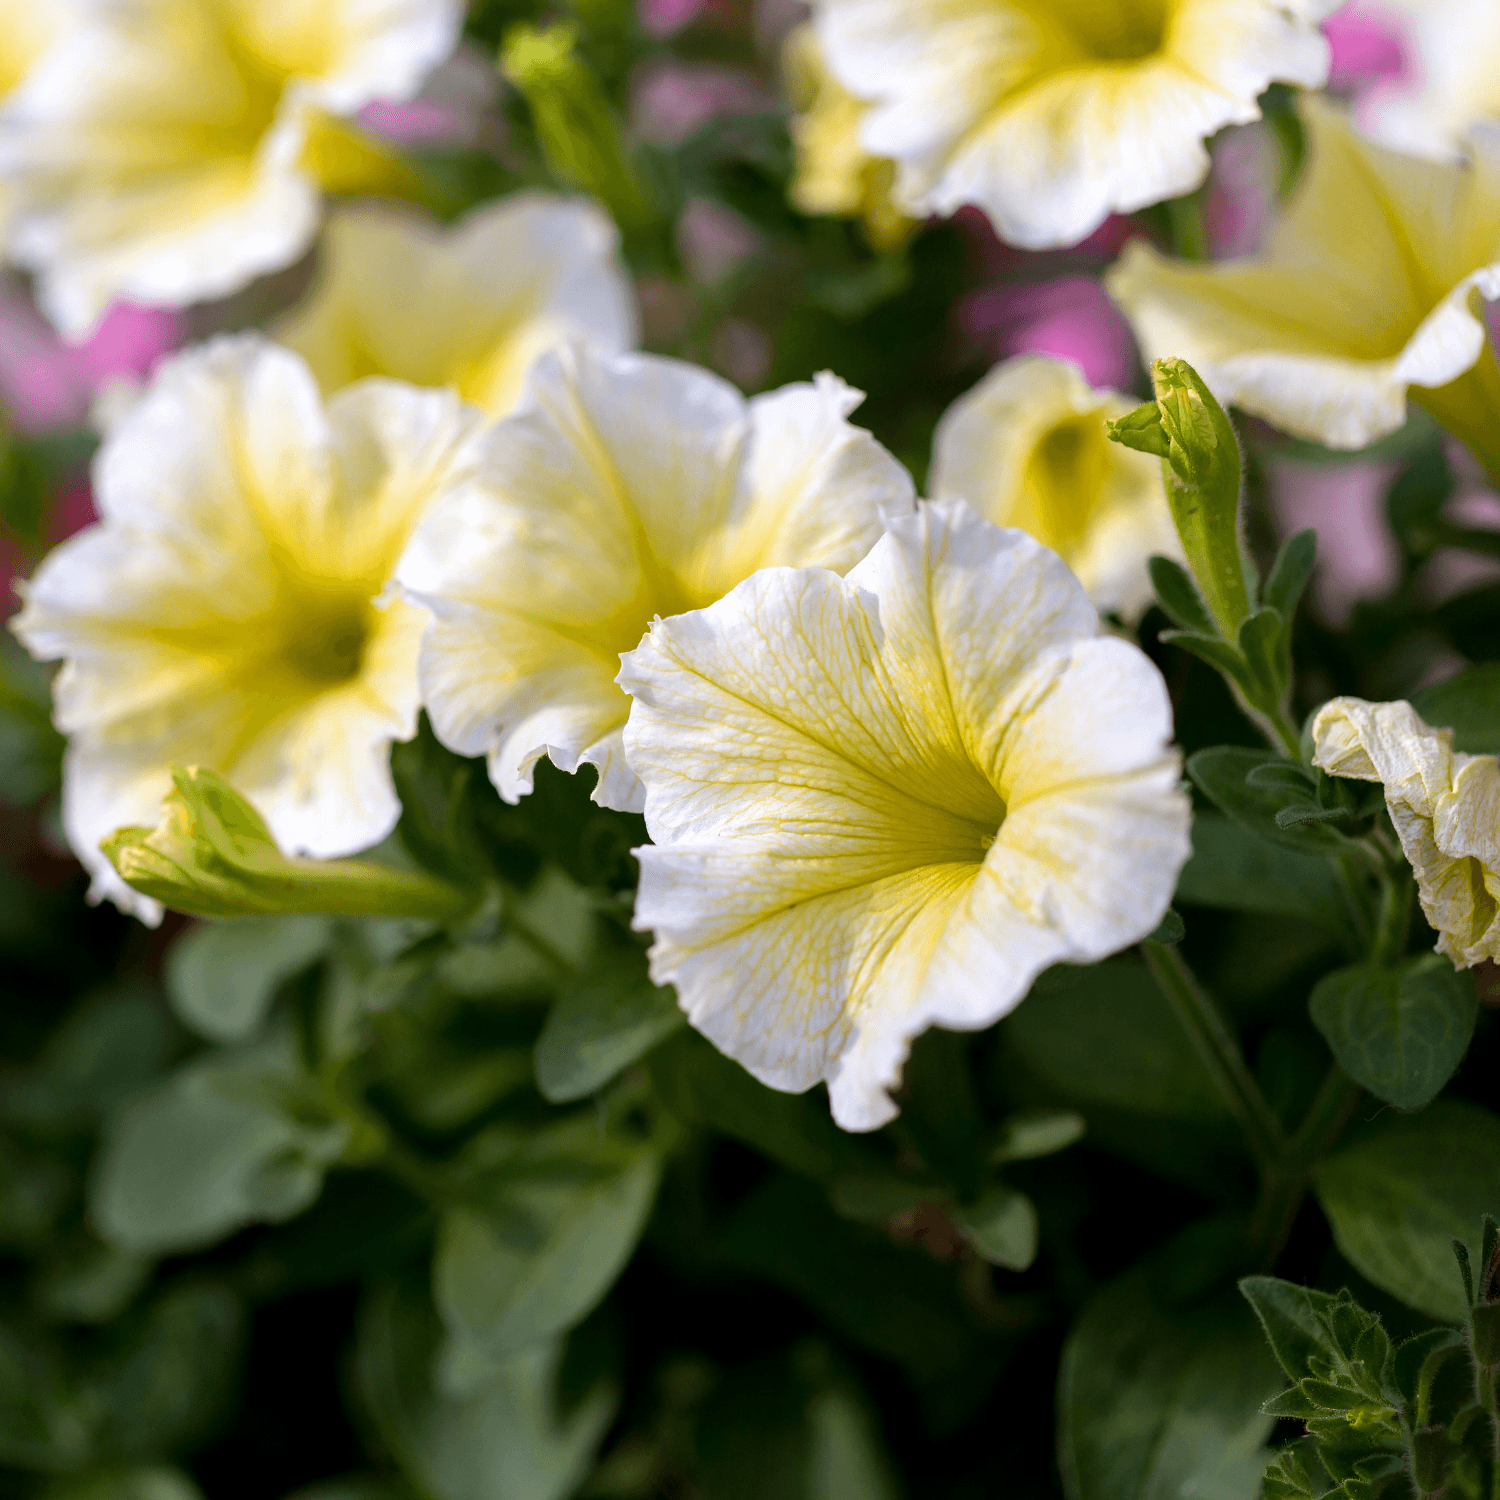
<point x="1141" y="430"/>
<point x="1178" y="595"/>
<point x="1290" y="572"/>
<point x="1484" y="1324"/>
<point x="1222" y="773"/>
<point x="1489" y="1260"/>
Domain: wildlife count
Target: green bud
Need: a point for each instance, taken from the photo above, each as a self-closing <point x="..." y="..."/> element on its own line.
<point x="575" y="126"/>
<point x="1188" y="430"/>
<point x="211" y="855"/>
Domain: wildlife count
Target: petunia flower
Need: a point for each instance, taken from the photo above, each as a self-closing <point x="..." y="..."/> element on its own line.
<point x="170" y="150"/>
<point x="835" y="174"/>
<point x="1027" y="447"/>
<point x="1445" y="807"/>
<point x="889" y="801"/>
<point x="226" y="611"/>
<point x="621" y="489"/>
<point x="1445" y="82"/>
<point x="470" y="306"/>
<point x="1051" y="116"/>
<point x="1368" y="289"/>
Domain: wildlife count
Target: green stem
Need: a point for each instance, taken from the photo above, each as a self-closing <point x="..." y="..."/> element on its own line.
<point x="1284" y="1184"/>
<point x="1219" y="1050"/>
<point x="1393" y="924"/>
<point x="1189" y="233"/>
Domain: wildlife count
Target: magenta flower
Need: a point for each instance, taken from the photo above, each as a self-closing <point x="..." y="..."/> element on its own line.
<point x="1070" y="318"/>
<point x="47" y="383"/>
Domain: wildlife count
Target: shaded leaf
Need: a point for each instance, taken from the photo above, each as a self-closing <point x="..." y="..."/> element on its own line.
<point x="1399" y="1033"/>
<point x="1403" y="1190"/>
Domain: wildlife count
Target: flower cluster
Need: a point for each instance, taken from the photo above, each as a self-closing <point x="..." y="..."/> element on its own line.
<point x="890" y="767"/>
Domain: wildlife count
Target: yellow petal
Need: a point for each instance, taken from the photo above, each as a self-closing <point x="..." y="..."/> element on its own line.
<point x="890" y="800"/>
<point x="1027" y="447"/>
<point x="621" y="489"/>
<point x="227" y="612"/>
<point x="1049" y="117"/>
<point x="1367" y="287"/>
<point x="470" y="306"/>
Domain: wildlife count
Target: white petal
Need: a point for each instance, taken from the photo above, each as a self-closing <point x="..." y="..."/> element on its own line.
<point x="892" y="799"/>
<point x="470" y="306"/>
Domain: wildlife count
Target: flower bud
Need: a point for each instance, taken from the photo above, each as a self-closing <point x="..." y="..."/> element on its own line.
<point x="575" y="126"/>
<point x="211" y="855"/>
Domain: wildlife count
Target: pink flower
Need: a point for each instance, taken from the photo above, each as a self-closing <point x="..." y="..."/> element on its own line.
<point x="1345" y="503"/>
<point x="46" y="383"/>
<point x="1242" y="190"/>
<point x="663" y="17"/>
<point x="1367" y="45"/>
<point x="1071" y="318"/>
<point x="670" y="100"/>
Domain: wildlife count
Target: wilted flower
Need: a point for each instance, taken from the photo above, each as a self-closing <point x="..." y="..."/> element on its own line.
<point x="226" y="613"/>
<point x="835" y="174"/>
<point x="1367" y="287"/>
<point x="1051" y="116"/>
<point x="1445" y="807"/>
<point x="889" y="801"/>
<point x="169" y="150"/>
<point x="1027" y="447"/>
<point x="469" y="306"/>
<point x="619" y="490"/>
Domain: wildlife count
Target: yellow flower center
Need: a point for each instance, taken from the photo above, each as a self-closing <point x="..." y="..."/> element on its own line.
<point x="1064" y="478"/>
<point x="323" y="640"/>
<point x="1108" y="31"/>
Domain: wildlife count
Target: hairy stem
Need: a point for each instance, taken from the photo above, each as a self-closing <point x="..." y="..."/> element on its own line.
<point x="1216" y="1045"/>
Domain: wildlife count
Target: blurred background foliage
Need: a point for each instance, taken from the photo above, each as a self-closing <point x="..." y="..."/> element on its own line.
<point x="361" y="1210"/>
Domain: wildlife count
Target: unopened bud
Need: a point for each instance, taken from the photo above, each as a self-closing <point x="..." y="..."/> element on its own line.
<point x="211" y="855"/>
<point x="575" y="125"/>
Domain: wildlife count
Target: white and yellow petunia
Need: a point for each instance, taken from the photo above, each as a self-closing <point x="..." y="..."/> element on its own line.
<point x="1451" y="47"/>
<point x="469" y="306"/>
<point x="1368" y="290"/>
<point x="1051" y="114"/>
<point x="621" y="489"/>
<point x="170" y="150"/>
<point x="889" y="801"/>
<point x="226" y="611"/>
<point x="1445" y="807"/>
<point x="835" y="174"/>
<point x="1027" y="447"/>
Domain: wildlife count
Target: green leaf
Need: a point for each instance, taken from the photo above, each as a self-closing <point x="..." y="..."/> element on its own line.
<point x="1469" y="705"/>
<point x="1260" y="644"/>
<point x="1221" y="774"/>
<point x="156" y="1483"/>
<point x="1159" y="1398"/>
<point x="702" y="1086"/>
<point x="1290" y="572"/>
<point x="1216" y="651"/>
<point x="1399" y="1033"/>
<point x="542" y="1241"/>
<point x="1179" y="596"/>
<point x="1234" y="869"/>
<point x="1038" y="1132"/>
<point x="218" y="1146"/>
<point x="502" y="1440"/>
<point x="1402" y="1191"/>
<point x="221" y="977"/>
<point x="1289" y="1315"/>
<point x="1171" y="929"/>
<point x="599" y="1025"/>
<point x="1002" y="1227"/>
<point x="170" y="1383"/>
